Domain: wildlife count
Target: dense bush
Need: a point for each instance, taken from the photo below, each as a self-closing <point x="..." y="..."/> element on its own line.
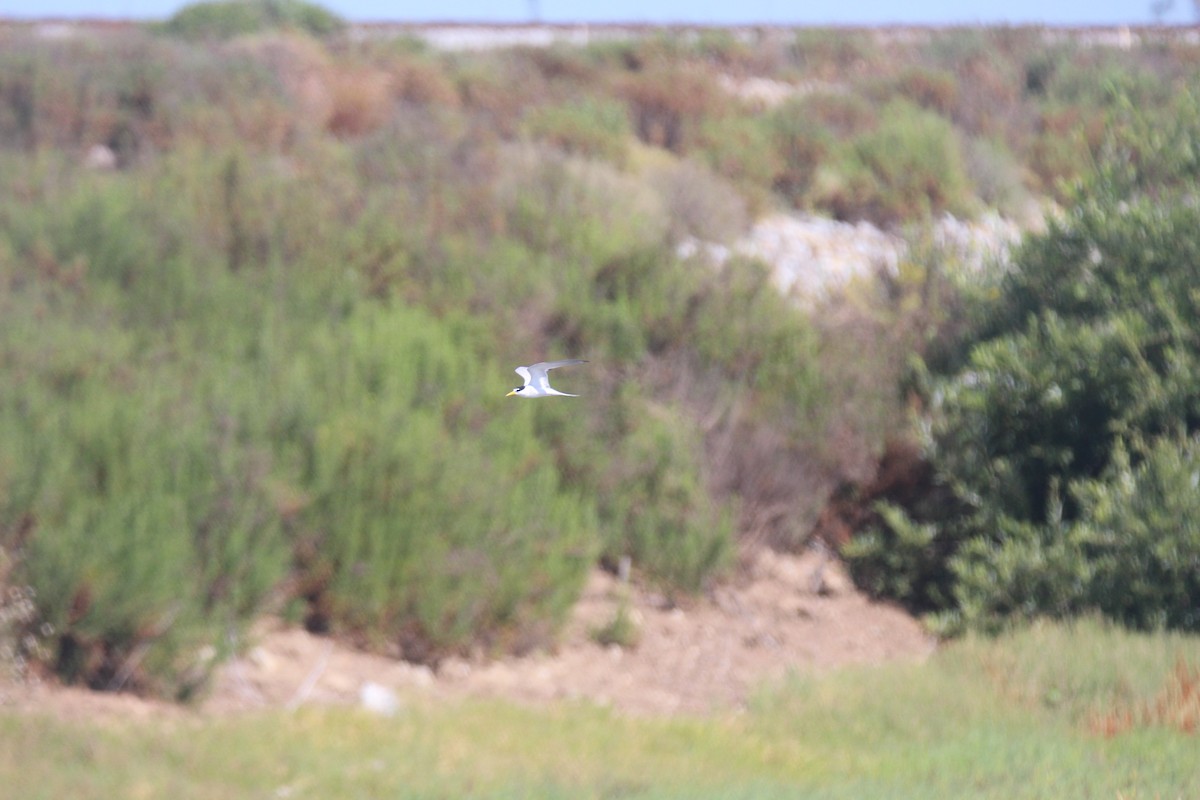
<point x="1147" y="515"/>
<point x="669" y="102"/>
<point x="571" y="209"/>
<point x="803" y="143"/>
<point x="910" y="166"/>
<point x="740" y="150"/>
<point x="222" y="19"/>
<point x="1058" y="424"/>
<point x="141" y="509"/>
<point x="643" y="463"/>
<point x="933" y="89"/>
<point x="590" y="127"/>
<point x="430" y="520"/>
<point x="159" y="495"/>
<point x="224" y="399"/>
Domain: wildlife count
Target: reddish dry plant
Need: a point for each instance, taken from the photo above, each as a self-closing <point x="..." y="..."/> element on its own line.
<point x="1177" y="705"/>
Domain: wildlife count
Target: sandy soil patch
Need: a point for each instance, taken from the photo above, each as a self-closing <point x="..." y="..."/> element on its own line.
<point x="785" y="612"/>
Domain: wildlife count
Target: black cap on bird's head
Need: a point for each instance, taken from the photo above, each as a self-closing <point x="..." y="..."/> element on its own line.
<point x="515" y="391"/>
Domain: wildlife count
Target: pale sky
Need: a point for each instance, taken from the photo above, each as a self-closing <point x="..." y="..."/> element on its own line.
<point x="781" y="12"/>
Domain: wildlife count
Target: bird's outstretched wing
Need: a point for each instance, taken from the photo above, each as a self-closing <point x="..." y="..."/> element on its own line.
<point x="536" y="373"/>
<point x="525" y="376"/>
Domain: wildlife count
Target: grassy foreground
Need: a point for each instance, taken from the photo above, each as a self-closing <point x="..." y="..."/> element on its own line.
<point x="1008" y="718"/>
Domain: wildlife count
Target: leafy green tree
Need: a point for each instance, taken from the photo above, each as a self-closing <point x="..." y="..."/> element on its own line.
<point x="1057" y="422"/>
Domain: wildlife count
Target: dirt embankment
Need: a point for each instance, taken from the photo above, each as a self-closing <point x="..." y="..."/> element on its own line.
<point x="785" y="612"/>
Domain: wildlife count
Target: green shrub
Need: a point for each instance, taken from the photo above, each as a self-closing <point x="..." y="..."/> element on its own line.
<point x="169" y="420"/>
<point x="1059" y="155"/>
<point x="740" y="150"/>
<point x="997" y="178"/>
<point x="430" y="525"/>
<point x="1101" y="78"/>
<point x="803" y="143"/>
<point x="621" y="630"/>
<point x="224" y="19"/>
<point x="1130" y="553"/>
<point x="148" y="532"/>
<point x="643" y="463"/>
<point x="591" y="128"/>
<point x="573" y="209"/>
<point x="662" y="515"/>
<point x="900" y="559"/>
<point x="1146" y="514"/>
<point x="771" y="347"/>
<point x="1087" y="351"/>
<point x="728" y="50"/>
<point x="933" y="89"/>
<point x="910" y="167"/>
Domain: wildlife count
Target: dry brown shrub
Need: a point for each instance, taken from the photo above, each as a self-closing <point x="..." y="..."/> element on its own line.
<point x="361" y="100"/>
<point x="422" y="83"/>
<point x="837" y="55"/>
<point x="72" y="94"/>
<point x="992" y="105"/>
<point x="1177" y="706"/>
<point x="780" y="483"/>
<point x="903" y="477"/>
<point x="1061" y="149"/>
<point x="699" y="203"/>
<point x="563" y="64"/>
<point x="669" y="102"/>
<point x="1181" y="50"/>
<point x="259" y="121"/>
<point x="843" y="114"/>
<point x="499" y="88"/>
<point x="296" y="61"/>
<point x="934" y="89"/>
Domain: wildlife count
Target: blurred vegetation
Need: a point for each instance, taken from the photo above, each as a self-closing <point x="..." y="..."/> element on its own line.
<point x="260" y="287"/>
<point x="225" y="19"/>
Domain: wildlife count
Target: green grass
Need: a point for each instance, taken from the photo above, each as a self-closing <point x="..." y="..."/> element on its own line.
<point x="984" y="718"/>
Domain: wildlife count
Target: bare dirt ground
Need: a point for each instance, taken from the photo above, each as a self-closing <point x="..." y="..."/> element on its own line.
<point x="786" y="612"/>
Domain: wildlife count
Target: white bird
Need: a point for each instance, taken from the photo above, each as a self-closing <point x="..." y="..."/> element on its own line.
<point x="537" y="382"/>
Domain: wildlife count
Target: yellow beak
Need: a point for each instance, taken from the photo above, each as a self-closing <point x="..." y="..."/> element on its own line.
<point x="510" y="394"/>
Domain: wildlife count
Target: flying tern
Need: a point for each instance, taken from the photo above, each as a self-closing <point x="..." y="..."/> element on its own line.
<point x="537" y="382"/>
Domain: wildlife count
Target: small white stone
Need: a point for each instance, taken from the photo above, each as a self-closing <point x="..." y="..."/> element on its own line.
<point x="261" y="659"/>
<point x="378" y="699"/>
<point x="100" y="157"/>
